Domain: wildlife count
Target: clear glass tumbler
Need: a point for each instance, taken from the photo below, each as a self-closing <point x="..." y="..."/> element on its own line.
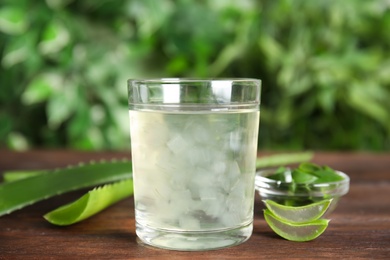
<point x="194" y="146"/>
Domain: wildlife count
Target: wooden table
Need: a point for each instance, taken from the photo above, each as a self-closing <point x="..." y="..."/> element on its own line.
<point x="360" y="226"/>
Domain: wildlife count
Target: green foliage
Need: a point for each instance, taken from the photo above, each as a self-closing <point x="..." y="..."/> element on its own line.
<point x="324" y="64"/>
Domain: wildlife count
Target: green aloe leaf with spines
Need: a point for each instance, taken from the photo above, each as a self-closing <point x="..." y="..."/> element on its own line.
<point x="91" y="203"/>
<point x="15" y="195"/>
<point x="283" y="159"/>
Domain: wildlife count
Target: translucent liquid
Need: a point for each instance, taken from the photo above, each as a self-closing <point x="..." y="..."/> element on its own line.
<point x="194" y="177"/>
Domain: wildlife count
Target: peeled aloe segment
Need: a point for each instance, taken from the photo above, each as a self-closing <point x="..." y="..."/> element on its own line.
<point x="300" y="214"/>
<point x="91" y="203"/>
<point x="296" y="232"/>
<point x="18" y="194"/>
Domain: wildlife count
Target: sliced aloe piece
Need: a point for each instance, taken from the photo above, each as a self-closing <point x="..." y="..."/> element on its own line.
<point x="281" y="174"/>
<point x="309" y="167"/>
<point x="302" y="177"/>
<point x="322" y="173"/>
<point x="300" y="214"/>
<point x="328" y="176"/>
<point x="91" y="203"/>
<point x="296" y="232"/>
<point x="18" y="194"/>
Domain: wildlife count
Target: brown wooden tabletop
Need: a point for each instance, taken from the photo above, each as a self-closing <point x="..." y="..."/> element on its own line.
<point x="359" y="227"/>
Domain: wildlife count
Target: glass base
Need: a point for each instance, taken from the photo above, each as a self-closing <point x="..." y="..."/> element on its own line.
<point x="194" y="241"/>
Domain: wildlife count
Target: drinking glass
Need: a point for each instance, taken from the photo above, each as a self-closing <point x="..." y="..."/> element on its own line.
<point x="194" y="147"/>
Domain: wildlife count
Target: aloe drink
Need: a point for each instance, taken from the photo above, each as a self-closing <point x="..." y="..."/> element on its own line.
<point x="194" y="174"/>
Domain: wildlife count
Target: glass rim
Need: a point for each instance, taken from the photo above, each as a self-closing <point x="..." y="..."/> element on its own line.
<point x="190" y="80"/>
<point x="194" y="93"/>
<point x="260" y="178"/>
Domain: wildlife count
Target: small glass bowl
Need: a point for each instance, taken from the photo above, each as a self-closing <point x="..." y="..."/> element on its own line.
<point x="303" y="194"/>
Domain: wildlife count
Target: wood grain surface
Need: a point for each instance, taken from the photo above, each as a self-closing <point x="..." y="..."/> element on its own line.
<point x="359" y="227"/>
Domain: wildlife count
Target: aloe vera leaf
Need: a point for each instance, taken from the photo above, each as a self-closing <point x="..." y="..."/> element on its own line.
<point x="283" y="159"/>
<point x="18" y="175"/>
<point x="18" y="194"/>
<point x="90" y="203"/>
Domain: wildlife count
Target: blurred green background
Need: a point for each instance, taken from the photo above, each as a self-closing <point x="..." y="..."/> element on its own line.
<point x="325" y="67"/>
